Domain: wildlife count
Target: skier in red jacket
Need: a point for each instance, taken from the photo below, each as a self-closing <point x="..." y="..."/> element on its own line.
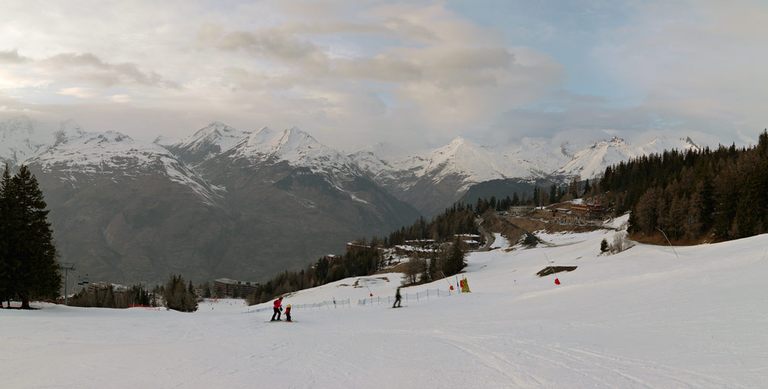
<point x="277" y="308"/>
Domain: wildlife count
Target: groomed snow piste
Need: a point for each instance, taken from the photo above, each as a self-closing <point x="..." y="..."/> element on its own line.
<point x="644" y="318"/>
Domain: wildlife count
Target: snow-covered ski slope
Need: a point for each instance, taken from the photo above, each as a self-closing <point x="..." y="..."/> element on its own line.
<point x="643" y="318"/>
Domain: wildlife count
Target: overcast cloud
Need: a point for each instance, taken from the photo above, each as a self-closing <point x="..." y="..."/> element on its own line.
<point x="411" y="73"/>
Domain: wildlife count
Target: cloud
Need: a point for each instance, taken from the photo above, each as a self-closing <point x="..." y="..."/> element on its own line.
<point x="270" y="44"/>
<point x="434" y="71"/>
<point x="415" y="73"/>
<point x="90" y="67"/>
<point x="12" y="57"/>
<point x="120" y="98"/>
<point x="694" y="64"/>
<point x="81" y="93"/>
<point x="352" y="72"/>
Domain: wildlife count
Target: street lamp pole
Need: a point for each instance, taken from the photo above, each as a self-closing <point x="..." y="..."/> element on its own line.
<point x="67" y="267"/>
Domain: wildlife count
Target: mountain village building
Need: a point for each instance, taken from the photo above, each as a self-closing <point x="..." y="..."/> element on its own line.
<point x="225" y="287"/>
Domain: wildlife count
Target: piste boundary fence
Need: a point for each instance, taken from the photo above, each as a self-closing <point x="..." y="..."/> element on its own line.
<point x="417" y="297"/>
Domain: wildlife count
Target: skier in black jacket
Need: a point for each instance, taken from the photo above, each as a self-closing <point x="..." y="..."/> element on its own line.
<point x="397" y="299"/>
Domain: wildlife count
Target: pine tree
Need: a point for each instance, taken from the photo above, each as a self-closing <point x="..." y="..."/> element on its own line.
<point x="5" y="270"/>
<point x="573" y="189"/>
<point x="553" y="194"/>
<point x="31" y="253"/>
<point x="177" y="296"/>
<point x="207" y="290"/>
<point x="426" y="270"/>
<point x="453" y="260"/>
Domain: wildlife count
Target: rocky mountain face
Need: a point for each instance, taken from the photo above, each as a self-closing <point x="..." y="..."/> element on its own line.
<point x="293" y="199"/>
<point x="125" y="211"/>
<point x="225" y="202"/>
<point x="245" y="208"/>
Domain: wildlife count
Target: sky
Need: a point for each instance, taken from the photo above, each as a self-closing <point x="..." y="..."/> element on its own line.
<point x="413" y="73"/>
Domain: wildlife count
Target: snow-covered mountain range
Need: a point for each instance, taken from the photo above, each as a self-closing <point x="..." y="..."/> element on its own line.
<point x="531" y="158"/>
<point x="449" y="171"/>
<point x="117" y="156"/>
<point x="221" y="203"/>
<point x="592" y="161"/>
<point x="223" y="200"/>
<point x="428" y="181"/>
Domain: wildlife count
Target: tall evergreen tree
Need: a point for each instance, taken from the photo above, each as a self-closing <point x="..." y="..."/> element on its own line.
<point x="178" y="297"/>
<point x="31" y="253"/>
<point x="553" y="194"/>
<point x="453" y="260"/>
<point x="5" y="207"/>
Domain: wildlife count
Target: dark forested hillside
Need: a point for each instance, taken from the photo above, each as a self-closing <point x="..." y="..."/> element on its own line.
<point x="719" y="193"/>
<point x="459" y="219"/>
<point x="365" y="257"/>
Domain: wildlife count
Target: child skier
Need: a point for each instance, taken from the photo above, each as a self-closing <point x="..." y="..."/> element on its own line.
<point x="288" y="312"/>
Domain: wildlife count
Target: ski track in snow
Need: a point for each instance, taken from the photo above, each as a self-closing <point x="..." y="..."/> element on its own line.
<point x="639" y="319"/>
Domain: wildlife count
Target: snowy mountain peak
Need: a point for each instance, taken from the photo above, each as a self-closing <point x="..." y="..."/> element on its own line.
<point x="208" y="142"/>
<point x="592" y="161"/>
<point x="110" y="137"/>
<point x="87" y="149"/>
<point x="658" y="144"/>
<point x="471" y="162"/>
<point x="294" y="137"/>
<point x="457" y="141"/>
<point x="70" y="126"/>
<point x="17" y="140"/>
<point x="164" y="141"/>
<point x="217" y="129"/>
<point x="457" y="146"/>
<point x="371" y="162"/>
<point x="296" y="147"/>
<point x="215" y="133"/>
<point x="613" y="142"/>
<point x="68" y="130"/>
<point x="267" y="142"/>
<point x="689" y="144"/>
